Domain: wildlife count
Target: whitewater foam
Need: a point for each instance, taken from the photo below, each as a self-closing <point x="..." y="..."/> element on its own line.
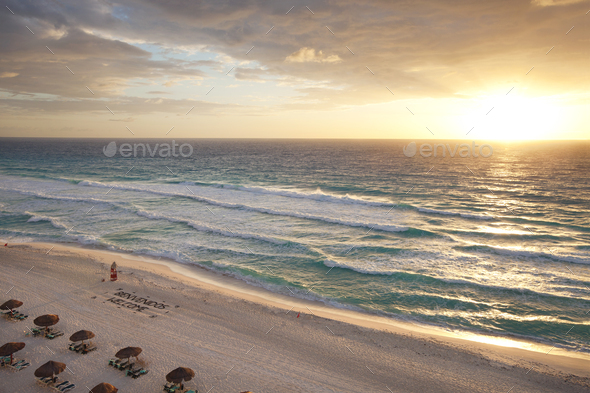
<point x="230" y="205"/>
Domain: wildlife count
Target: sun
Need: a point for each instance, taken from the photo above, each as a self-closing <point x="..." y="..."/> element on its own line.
<point x="517" y="118"/>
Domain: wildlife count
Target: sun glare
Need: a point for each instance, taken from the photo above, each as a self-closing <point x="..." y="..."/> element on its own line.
<point x="518" y="118"/>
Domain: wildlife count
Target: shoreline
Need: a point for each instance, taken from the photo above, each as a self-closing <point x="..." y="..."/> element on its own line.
<point x="233" y="287"/>
<point x="237" y="337"/>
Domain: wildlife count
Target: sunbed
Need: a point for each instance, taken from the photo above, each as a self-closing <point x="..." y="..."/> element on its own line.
<point x="61" y="385"/>
<point x="53" y="334"/>
<point x="22" y="317"/>
<point x="46" y="381"/>
<point x="17" y="316"/>
<point x="20" y="365"/>
<point x="136" y="372"/>
<point x="87" y="348"/>
<point x="124" y="366"/>
<point x="66" y="388"/>
<point x="35" y="332"/>
<point x="75" y="347"/>
<point x="122" y="363"/>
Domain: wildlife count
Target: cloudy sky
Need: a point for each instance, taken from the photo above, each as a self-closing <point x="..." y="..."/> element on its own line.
<point x="324" y="69"/>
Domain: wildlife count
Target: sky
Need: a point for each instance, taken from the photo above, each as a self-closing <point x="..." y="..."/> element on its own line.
<point x="419" y="69"/>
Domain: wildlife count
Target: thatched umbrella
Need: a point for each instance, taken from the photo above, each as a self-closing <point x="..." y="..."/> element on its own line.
<point x="179" y="375"/>
<point x="104" y="388"/>
<point x="50" y="369"/>
<point x="82" y="335"/>
<point x="10" y="305"/>
<point x="10" y="348"/>
<point x="128" y="352"/>
<point x="46" y="320"/>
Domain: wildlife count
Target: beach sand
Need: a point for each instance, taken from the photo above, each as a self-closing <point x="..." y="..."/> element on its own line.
<point x="237" y="337"/>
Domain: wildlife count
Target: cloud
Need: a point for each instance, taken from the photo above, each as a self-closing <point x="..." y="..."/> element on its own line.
<point x="309" y="55"/>
<point x="550" y="3"/>
<point x="126" y="120"/>
<point x="418" y="49"/>
<point x="250" y="74"/>
<point x="9" y="74"/>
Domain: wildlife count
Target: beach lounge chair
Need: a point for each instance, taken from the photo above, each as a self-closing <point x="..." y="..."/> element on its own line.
<point x="136" y="372"/>
<point x="171" y="387"/>
<point x="66" y="388"/>
<point x="123" y="365"/>
<point x="46" y="381"/>
<point x="35" y="332"/>
<point x="115" y="362"/>
<point x="62" y="385"/>
<point x="16" y="316"/>
<point x="20" y="365"/>
<point x="88" y="348"/>
<point x="54" y="334"/>
<point x="19" y="316"/>
<point x="75" y="347"/>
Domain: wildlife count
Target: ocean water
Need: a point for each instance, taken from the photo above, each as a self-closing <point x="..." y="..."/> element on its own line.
<point x="496" y="245"/>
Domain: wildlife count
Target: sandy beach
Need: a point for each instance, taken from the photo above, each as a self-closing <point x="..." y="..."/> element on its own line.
<point x="238" y="337"/>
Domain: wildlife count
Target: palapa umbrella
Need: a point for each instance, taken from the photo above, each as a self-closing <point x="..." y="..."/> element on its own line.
<point x="104" y="388"/>
<point x="46" y="320"/>
<point x="10" y="348"/>
<point x="10" y="305"/>
<point x="126" y="353"/>
<point x="82" y="335"/>
<point x="179" y="375"/>
<point x="50" y="369"/>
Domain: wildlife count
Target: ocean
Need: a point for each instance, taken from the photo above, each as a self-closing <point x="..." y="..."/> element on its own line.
<point x="496" y="245"/>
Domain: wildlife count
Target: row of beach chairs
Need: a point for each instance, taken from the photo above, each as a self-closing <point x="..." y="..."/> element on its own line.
<point x="172" y="388"/>
<point x="130" y="369"/>
<point x="50" y="333"/>
<point x="50" y="382"/>
<point x="15" y="316"/>
<point x="16" y="365"/>
<point x="82" y="348"/>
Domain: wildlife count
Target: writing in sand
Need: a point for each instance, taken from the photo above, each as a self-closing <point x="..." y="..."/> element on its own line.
<point x="135" y="302"/>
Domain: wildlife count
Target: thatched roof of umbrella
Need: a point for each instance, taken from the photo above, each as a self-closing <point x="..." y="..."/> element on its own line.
<point x="128" y="352"/>
<point x="104" y="388"/>
<point x="180" y="374"/>
<point x="82" y="335"/>
<point x="10" y="348"/>
<point x="10" y="304"/>
<point x="46" y="320"/>
<point x="49" y="369"/>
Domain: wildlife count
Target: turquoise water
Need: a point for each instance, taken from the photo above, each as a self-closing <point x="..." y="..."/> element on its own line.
<point x="496" y="245"/>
